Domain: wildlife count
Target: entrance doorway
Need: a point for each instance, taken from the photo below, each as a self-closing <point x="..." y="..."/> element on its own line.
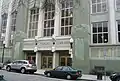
<point x="32" y="57"/>
<point x="47" y="62"/>
<point x="65" y="61"/>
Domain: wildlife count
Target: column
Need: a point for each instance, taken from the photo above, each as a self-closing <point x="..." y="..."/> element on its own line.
<point x="55" y="59"/>
<point x="112" y="21"/>
<point x="8" y="27"/>
<point x="1" y="1"/>
<point x="38" y="60"/>
<point x="40" y="21"/>
<point x="57" y="19"/>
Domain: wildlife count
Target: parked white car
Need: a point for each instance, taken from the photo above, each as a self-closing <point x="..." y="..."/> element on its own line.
<point x="22" y="65"/>
<point x="1" y="65"/>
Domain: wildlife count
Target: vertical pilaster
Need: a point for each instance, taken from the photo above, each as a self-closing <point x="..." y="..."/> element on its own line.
<point x="40" y="21"/>
<point x="55" y="59"/>
<point x="1" y="1"/>
<point x="38" y="60"/>
<point x="112" y="21"/>
<point x="57" y="19"/>
<point x="8" y="27"/>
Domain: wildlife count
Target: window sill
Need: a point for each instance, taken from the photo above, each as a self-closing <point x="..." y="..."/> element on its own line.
<point x="100" y="13"/>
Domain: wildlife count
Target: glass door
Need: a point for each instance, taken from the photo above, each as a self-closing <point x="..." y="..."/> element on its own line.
<point x="47" y="62"/>
<point x="65" y="61"/>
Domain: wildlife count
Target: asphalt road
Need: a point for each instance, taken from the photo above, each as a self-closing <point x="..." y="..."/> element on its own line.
<point x="15" y="76"/>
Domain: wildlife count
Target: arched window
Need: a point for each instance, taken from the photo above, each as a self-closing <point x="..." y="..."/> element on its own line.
<point x="66" y="17"/>
<point x="4" y="23"/>
<point x="49" y="13"/>
<point x="33" y="24"/>
<point x="13" y="22"/>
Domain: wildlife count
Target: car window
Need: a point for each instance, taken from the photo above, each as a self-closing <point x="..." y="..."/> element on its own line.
<point x="58" y="68"/>
<point x="20" y="62"/>
<point x="65" y="69"/>
<point x="14" y="62"/>
<point x="24" y="62"/>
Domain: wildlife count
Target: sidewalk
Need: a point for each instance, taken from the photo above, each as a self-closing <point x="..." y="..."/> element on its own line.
<point x="84" y="76"/>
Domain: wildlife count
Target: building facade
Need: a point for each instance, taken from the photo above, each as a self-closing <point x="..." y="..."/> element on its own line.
<point x="42" y="33"/>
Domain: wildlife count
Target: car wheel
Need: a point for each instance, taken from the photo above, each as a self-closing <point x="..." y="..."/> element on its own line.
<point x="117" y="79"/>
<point x="22" y="70"/>
<point x="68" y="77"/>
<point x="48" y="74"/>
<point x="8" y="68"/>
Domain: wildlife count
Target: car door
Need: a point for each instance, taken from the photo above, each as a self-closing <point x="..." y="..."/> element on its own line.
<point x="13" y="65"/>
<point x="57" y="71"/>
<point x="19" y="64"/>
<point x="64" y="71"/>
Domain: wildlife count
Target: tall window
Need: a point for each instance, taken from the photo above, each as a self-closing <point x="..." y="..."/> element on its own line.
<point x="49" y="14"/>
<point x="98" y="6"/>
<point x="118" y="4"/>
<point x="100" y="32"/>
<point x="118" y="31"/>
<point x="33" y="25"/>
<point x="13" y="24"/>
<point x="4" y="23"/>
<point x="66" y="17"/>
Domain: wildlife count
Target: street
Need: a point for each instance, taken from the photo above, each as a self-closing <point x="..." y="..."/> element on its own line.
<point x="14" y="76"/>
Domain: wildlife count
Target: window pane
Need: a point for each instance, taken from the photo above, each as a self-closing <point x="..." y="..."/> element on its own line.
<point x="71" y="21"/>
<point x="105" y="27"/>
<point x="99" y="27"/>
<point x="105" y="37"/>
<point x="52" y="23"/>
<point x="52" y="31"/>
<point x="44" y="32"/>
<point x="94" y="27"/>
<point x="94" y="38"/>
<point x="98" y="7"/>
<point x="62" y="31"/>
<point x="66" y="30"/>
<point x="70" y="30"/>
<point x="98" y="1"/>
<point x="94" y="8"/>
<point x="118" y="36"/>
<point x="104" y="7"/>
<point x="63" y="12"/>
<point x="48" y="32"/>
<point x="118" y="4"/>
<point x="66" y="21"/>
<point x="93" y="1"/>
<point x="99" y="38"/>
<point x="62" y="22"/>
<point x="118" y="26"/>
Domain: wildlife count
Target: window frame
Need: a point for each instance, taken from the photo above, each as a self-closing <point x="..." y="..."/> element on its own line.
<point x="49" y="19"/>
<point x="91" y="8"/>
<point x="64" y="17"/>
<point x="102" y="22"/>
<point x="31" y="33"/>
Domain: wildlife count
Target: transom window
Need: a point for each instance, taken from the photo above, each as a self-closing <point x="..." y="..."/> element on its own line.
<point x="49" y="14"/>
<point x="118" y="4"/>
<point x="13" y="24"/>
<point x="100" y="32"/>
<point x="4" y="23"/>
<point x="66" y="17"/>
<point x="33" y="25"/>
<point x="98" y="6"/>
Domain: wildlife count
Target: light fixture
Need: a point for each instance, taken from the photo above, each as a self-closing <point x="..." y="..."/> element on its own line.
<point x="71" y="40"/>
